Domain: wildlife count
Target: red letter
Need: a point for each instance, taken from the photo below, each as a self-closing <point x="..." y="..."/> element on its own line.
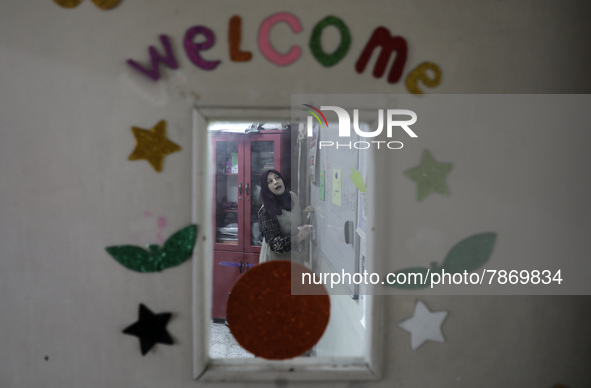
<point x="234" y="38"/>
<point x="381" y="37"/>
<point x="155" y="57"/>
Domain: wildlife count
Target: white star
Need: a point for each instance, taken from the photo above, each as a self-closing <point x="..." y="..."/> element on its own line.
<point x="424" y="325"/>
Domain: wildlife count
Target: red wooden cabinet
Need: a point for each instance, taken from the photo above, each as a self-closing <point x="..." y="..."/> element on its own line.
<point x="239" y="161"/>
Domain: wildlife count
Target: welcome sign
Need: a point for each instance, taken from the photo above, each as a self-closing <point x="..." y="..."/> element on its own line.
<point x="426" y="73"/>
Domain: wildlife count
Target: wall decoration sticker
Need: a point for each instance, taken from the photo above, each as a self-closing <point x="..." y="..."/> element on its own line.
<point x="155" y="57"/>
<point x="234" y="40"/>
<point x="270" y="320"/>
<point x="193" y="49"/>
<point x="265" y="43"/>
<point x="381" y="38"/>
<point x="150" y="328"/>
<point x="332" y="59"/>
<point x="429" y="176"/>
<point x="420" y="73"/>
<point x="175" y="250"/>
<point x="424" y="325"/>
<point x="153" y="145"/>
<point x="466" y="256"/>
<point x="102" y="4"/>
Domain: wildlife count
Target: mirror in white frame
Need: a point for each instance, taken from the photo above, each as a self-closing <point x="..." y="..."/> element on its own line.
<point x="351" y="346"/>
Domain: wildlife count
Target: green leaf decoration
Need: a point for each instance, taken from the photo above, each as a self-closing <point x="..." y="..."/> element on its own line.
<point x="179" y="247"/>
<point x="133" y="257"/>
<point x="468" y="255"/>
<point x="175" y="250"/>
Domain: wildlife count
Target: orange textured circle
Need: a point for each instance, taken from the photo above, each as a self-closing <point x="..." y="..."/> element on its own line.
<point x="270" y="322"/>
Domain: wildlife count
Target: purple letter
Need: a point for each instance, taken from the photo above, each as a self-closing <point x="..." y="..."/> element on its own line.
<point x="155" y="57"/>
<point x="193" y="49"/>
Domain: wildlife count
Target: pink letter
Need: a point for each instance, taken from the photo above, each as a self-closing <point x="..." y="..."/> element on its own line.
<point x="265" y="45"/>
<point x="193" y="49"/>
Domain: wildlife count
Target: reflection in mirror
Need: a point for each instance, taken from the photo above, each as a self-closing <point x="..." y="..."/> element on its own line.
<point x="239" y="152"/>
<point x="242" y="152"/>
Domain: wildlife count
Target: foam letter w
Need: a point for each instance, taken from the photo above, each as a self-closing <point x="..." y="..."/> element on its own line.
<point x="155" y="57"/>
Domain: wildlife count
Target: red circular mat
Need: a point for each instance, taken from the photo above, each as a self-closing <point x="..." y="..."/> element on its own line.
<point x="270" y="322"/>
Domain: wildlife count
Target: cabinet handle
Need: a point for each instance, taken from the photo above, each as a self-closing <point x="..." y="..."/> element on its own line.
<point x="247" y="189"/>
<point x="247" y="268"/>
<point x="240" y="188"/>
<point x="240" y="267"/>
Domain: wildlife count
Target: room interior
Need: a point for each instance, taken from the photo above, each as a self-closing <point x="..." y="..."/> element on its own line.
<point x="83" y="81"/>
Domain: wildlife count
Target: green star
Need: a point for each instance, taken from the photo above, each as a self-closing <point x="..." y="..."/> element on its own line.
<point x="430" y="176"/>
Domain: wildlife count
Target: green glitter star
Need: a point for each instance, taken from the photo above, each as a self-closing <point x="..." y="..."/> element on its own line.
<point x="430" y="176"/>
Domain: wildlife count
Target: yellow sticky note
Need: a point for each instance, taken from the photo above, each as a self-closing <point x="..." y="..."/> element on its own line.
<point x="357" y="180"/>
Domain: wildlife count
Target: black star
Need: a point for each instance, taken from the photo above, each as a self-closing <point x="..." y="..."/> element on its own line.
<point x="150" y="329"/>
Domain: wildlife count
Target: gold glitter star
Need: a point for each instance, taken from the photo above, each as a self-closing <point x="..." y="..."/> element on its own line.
<point x="429" y="176"/>
<point x="152" y="145"/>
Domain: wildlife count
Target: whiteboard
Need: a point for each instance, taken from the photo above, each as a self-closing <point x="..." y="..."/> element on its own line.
<point x="329" y="218"/>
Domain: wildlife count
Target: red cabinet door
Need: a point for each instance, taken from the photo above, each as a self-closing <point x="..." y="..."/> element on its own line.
<point x="228" y="266"/>
<point x="250" y="260"/>
<point x="239" y="160"/>
<point x="229" y="192"/>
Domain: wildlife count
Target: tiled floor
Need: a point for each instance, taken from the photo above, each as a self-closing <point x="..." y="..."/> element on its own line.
<point x="223" y="344"/>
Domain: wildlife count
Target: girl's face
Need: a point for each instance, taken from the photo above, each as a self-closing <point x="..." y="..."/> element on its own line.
<point x="275" y="184"/>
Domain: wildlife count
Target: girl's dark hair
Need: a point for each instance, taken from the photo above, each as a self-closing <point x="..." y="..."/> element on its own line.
<point x="274" y="203"/>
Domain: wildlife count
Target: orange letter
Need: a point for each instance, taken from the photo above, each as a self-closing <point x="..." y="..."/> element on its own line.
<point x="234" y="39"/>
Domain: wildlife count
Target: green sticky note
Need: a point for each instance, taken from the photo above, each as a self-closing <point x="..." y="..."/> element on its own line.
<point x="357" y="180"/>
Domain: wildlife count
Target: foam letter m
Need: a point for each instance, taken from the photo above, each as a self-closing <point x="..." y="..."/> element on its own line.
<point x="381" y="37"/>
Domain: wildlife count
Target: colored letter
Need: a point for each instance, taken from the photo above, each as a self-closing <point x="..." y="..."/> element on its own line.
<point x="155" y="57"/>
<point x="316" y="41"/>
<point x="381" y="37"/>
<point x="265" y="45"/>
<point x="420" y="73"/>
<point x="192" y="49"/>
<point x="234" y="39"/>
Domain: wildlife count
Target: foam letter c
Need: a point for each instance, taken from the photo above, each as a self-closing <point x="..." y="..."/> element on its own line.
<point x="265" y="45"/>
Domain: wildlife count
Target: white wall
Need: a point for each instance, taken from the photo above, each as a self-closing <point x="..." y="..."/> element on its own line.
<point x="68" y="100"/>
